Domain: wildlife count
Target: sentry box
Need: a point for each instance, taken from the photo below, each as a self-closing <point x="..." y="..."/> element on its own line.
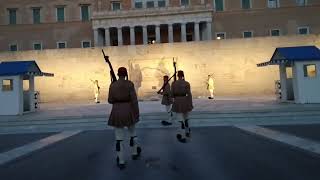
<point x="17" y="95"/>
<point x="299" y="76"/>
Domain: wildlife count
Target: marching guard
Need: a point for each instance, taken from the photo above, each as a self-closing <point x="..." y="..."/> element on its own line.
<point x="182" y="106"/>
<point x="125" y="113"/>
<point x="167" y="100"/>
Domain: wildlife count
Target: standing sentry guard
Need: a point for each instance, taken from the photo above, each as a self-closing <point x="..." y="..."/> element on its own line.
<point x="210" y="86"/>
<point x="96" y="90"/>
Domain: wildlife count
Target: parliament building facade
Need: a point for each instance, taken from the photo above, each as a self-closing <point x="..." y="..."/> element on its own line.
<point x="42" y="24"/>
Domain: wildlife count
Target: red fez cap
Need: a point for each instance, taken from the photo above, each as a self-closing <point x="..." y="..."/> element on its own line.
<point x="122" y="71"/>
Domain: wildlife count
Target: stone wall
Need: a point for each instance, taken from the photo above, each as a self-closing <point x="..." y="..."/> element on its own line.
<point x="233" y="63"/>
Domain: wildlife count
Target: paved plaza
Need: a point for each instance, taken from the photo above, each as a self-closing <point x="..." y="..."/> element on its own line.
<point x="232" y="139"/>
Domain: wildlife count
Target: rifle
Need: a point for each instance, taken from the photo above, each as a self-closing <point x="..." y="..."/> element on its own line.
<point x="174" y="75"/>
<point x="112" y="75"/>
<point x="175" y="69"/>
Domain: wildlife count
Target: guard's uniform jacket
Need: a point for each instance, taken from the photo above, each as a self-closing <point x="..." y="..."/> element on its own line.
<point x="182" y="96"/>
<point x="167" y="97"/>
<point x="125" y="109"/>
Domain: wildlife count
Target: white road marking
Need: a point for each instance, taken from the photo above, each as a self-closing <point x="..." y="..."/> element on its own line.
<point x="298" y="142"/>
<point x="34" y="146"/>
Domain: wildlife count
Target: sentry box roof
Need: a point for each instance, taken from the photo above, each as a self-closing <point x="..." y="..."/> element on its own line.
<point x="290" y="54"/>
<point x="13" y="68"/>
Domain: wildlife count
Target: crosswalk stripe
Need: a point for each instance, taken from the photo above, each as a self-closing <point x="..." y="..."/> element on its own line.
<point x="298" y="142"/>
<point x="34" y="146"/>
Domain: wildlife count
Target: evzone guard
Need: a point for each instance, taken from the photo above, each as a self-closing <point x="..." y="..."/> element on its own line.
<point x="96" y="90"/>
<point x="182" y="106"/>
<point x="210" y="86"/>
<point x="166" y="100"/>
<point x="124" y="113"/>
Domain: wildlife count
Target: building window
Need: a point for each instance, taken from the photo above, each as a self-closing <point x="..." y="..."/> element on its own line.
<point x="13" y="47"/>
<point x="60" y="14"/>
<point x="36" y="15"/>
<point x="273" y="4"/>
<point x="37" y="46"/>
<point x="184" y="2"/>
<point x="161" y="3"/>
<point x="301" y="2"/>
<point x="275" y="32"/>
<point x="7" y="85"/>
<point x="86" y="44"/>
<point x="303" y="30"/>
<point x="247" y="34"/>
<point x="289" y="72"/>
<point x="220" y="35"/>
<point x="219" y="5"/>
<point x="138" y="4"/>
<point x="12" y="16"/>
<point x="150" y="4"/>
<point x="310" y="70"/>
<point x="115" y="6"/>
<point x="61" y="45"/>
<point x="246" y="4"/>
<point x="84" y="12"/>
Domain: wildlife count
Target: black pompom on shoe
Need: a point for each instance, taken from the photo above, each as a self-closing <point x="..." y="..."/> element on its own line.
<point x="166" y="123"/>
<point x="137" y="156"/>
<point x="180" y="139"/>
<point x="188" y="135"/>
<point x="121" y="166"/>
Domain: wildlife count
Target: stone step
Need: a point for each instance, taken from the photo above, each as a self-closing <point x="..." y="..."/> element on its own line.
<point x="284" y="110"/>
<point x="161" y="116"/>
<point x="95" y="125"/>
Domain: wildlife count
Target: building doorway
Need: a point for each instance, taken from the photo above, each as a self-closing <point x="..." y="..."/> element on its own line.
<point x="26" y="94"/>
<point x="290" y="94"/>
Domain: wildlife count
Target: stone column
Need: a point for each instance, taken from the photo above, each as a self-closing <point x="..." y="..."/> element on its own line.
<point x="170" y="33"/>
<point x="145" y="34"/>
<point x="96" y="37"/>
<point x="209" y="30"/>
<point x="120" y="41"/>
<point x="132" y="36"/>
<point x="107" y="36"/>
<point x="297" y="79"/>
<point x="19" y="85"/>
<point x="196" y="31"/>
<point x="283" y="81"/>
<point x="183" y="32"/>
<point x="158" y="37"/>
<point x="31" y="94"/>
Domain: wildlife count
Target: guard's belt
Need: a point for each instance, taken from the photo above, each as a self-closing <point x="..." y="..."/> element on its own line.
<point x="180" y="95"/>
<point x="122" y="101"/>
